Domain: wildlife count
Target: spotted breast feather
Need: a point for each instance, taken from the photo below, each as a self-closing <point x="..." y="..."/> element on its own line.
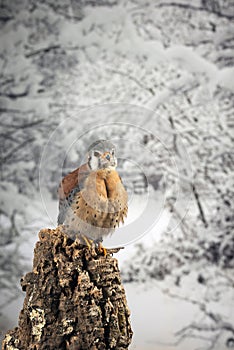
<point x="93" y="203"/>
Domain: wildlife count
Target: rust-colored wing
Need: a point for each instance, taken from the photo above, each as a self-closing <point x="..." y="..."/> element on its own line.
<point x="70" y="185"/>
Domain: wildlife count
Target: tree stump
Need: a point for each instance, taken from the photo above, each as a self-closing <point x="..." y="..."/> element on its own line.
<point x="74" y="299"/>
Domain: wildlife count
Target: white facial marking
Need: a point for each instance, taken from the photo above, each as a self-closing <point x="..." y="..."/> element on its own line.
<point x="93" y="162"/>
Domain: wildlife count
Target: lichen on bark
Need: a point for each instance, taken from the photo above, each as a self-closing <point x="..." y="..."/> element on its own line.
<point x="74" y="299"/>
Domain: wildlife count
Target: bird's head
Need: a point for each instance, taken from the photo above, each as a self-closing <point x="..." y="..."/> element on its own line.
<point x="101" y="155"/>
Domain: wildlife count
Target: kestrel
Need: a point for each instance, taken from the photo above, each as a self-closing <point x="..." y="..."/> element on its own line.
<point x="92" y="198"/>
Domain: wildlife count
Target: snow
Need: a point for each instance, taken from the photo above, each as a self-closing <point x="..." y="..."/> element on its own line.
<point x="225" y="78"/>
<point x="156" y="317"/>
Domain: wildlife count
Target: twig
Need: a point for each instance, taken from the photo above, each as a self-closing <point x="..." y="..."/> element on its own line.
<point x="194" y="8"/>
<point x="23" y="126"/>
<point x="114" y="250"/>
<point x="6" y="18"/>
<point x="14" y="96"/>
<point x="201" y="211"/>
<point x="9" y="110"/>
<point x="16" y="149"/>
<point x="40" y="51"/>
<point x="124" y="74"/>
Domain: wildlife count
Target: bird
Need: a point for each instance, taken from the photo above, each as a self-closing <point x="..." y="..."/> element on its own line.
<point x="93" y="200"/>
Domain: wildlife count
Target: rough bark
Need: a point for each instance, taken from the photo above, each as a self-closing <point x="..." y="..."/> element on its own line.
<point x="74" y="299"/>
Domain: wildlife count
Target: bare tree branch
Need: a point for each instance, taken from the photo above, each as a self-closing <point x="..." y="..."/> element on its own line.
<point x="16" y="149"/>
<point x="136" y="81"/>
<point x="194" y="8"/>
<point x="199" y="205"/>
<point x="14" y="96"/>
<point x="22" y="126"/>
<point x="43" y="50"/>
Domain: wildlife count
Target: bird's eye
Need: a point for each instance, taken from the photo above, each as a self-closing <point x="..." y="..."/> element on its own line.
<point x="113" y="152"/>
<point x="96" y="154"/>
<point x="108" y="157"/>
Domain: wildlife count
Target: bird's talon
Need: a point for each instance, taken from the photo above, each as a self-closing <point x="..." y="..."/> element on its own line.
<point x="88" y="242"/>
<point x="101" y="249"/>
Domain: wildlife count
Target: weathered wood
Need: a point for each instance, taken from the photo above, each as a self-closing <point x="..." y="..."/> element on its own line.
<point x="74" y="299"/>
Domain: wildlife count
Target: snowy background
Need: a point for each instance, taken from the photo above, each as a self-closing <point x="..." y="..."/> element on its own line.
<point x="157" y="78"/>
